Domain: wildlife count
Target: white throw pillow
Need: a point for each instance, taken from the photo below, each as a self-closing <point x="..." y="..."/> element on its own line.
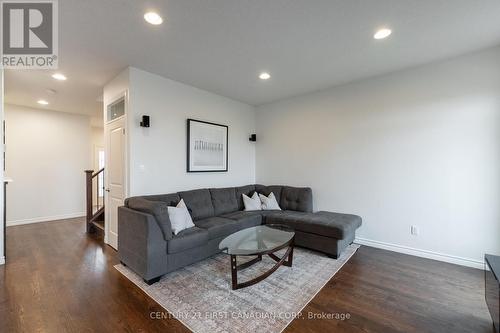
<point x="180" y="218"/>
<point x="252" y="203"/>
<point x="189" y="220"/>
<point x="269" y="202"/>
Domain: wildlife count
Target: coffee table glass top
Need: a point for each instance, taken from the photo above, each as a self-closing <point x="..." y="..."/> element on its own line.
<point x="256" y="240"/>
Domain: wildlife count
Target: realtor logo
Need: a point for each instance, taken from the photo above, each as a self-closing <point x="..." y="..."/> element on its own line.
<point x="29" y="37"/>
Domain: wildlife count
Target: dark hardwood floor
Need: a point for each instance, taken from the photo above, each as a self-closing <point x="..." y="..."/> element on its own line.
<point x="59" y="279"/>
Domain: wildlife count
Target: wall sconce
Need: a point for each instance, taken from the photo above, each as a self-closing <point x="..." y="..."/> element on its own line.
<point x="145" y="121"/>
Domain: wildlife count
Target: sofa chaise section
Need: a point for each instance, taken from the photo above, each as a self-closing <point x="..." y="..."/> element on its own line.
<point x="327" y="232"/>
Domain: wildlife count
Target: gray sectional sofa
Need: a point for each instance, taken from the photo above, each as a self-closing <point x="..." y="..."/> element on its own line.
<point x="147" y="245"/>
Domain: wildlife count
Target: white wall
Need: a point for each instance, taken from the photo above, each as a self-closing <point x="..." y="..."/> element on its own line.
<point x="97" y="136"/>
<point x="115" y="88"/>
<point x="158" y="154"/>
<point x="47" y="153"/>
<point x="418" y="147"/>
<point x="96" y="142"/>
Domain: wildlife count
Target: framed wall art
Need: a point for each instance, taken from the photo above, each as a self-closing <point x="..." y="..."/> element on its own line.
<point x="207" y="146"/>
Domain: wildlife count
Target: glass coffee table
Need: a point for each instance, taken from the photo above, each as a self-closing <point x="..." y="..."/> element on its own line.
<point x="258" y="241"/>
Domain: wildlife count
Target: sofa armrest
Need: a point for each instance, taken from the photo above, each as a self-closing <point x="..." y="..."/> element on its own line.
<point x="299" y="199"/>
<point x="158" y="209"/>
<point x="141" y="245"/>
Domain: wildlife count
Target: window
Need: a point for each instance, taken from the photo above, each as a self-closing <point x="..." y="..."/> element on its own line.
<point x="116" y="110"/>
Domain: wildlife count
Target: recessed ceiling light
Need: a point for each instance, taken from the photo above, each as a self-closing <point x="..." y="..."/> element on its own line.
<point x="264" y="76"/>
<point x="382" y="33"/>
<point x="43" y="102"/>
<point x="59" y="76"/>
<point x="153" y="18"/>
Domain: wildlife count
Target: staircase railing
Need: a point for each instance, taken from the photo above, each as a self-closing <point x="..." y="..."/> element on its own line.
<point x="95" y="199"/>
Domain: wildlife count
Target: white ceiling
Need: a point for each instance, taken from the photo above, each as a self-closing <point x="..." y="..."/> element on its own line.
<point x="222" y="45"/>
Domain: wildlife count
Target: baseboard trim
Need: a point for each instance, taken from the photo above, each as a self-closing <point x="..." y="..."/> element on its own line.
<point x="422" y="253"/>
<point x="2" y="260"/>
<point x="45" y="219"/>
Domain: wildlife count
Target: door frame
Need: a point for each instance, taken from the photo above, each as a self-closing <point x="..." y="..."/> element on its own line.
<point x="125" y="96"/>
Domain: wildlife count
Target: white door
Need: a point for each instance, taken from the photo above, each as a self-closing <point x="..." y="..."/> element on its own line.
<point x="115" y="179"/>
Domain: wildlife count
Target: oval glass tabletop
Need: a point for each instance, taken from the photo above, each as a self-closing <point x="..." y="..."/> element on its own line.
<point x="256" y="240"/>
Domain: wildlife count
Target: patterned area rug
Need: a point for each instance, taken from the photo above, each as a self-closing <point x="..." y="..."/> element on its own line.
<point x="200" y="295"/>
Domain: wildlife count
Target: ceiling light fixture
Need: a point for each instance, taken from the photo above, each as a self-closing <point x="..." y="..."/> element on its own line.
<point x="382" y="33"/>
<point x="153" y="18"/>
<point x="43" y="102"/>
<point x="264" y="76"/>
<point x="59" y="77"/>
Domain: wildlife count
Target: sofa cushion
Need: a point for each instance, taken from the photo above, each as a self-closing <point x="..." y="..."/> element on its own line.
<point x="266" y="190"/>
<point x="217" y="226"/>
<point x="242" y="213"/>
<point x="187" y="239"/>
<point x="327" y="224"/>
<point x="262" y="213"/>
<point x="296" y="198"/>
<point x="245" y="219"/>
<point x="248" y="190"/>
<point x="199" y="203"/>
<point x="156" y="208"/>
<point x="224" y="200"/>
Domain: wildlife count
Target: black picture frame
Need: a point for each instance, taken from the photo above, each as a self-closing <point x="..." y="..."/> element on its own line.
<point x="189" y="166"/>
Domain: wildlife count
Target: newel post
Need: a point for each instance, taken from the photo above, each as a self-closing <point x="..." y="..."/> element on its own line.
<point x="88" y="183"/>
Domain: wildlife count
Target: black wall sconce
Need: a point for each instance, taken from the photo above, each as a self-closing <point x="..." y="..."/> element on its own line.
<point x="253" y="137"/>
<point x="145" y="121"/>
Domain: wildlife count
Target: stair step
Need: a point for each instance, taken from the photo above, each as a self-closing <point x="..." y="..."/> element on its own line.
<point x="98" y="224"/>
<point x="98" y="215"/>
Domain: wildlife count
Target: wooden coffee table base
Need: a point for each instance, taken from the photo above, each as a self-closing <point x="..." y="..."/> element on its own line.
<point x="286" y="260"/>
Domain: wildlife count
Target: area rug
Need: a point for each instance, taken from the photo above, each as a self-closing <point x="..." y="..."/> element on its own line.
<point x="200" y="295"/>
